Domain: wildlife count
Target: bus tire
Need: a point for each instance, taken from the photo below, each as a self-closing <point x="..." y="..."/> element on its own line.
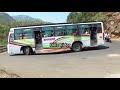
<point x="26" y="50"/>
<point x="76" y="47"/>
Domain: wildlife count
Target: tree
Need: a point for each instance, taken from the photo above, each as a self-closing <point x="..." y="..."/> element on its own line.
<point x="101" y="16"/>
<point x="72" y="17"/>
<point x="4" y="28"/>
<point x="86" y="16"/>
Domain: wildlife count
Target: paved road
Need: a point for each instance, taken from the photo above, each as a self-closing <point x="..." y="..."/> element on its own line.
<point x="96" y="63"/>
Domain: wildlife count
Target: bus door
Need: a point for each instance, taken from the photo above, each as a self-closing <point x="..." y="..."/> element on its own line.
<point x="93" y="36"/>
<point x="100" y="35"/>
<point x="38" y="39"/>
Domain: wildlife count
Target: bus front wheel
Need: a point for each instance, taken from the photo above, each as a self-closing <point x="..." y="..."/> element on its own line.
<point x="76" y="47"/>
<point x="26" y="50"/>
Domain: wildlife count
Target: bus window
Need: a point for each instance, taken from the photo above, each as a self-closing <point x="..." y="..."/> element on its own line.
<point x="59" y="30"/>
<point x="99" y="28"/>
<point x="23" y="34"/>
<point x="76" y="32"/>
<point x="84" y="29"/>
<point x="43" y="33"/>
<point x="87" y="31"/>
<point x="18" y="34"/>
<point x="27" y="34"/>
<point x="70" y="30"/>
<point x="48" y="31"/>
<point x="52" y="33"/>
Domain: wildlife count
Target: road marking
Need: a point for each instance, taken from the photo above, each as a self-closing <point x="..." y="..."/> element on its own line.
<point x="114" y="55"/>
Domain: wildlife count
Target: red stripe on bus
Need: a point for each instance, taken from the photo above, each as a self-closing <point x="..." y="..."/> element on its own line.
<point x="58" y="39"/>
<point x="55" y="48"/>
<point x="17" y="44"/>
<point x="85" y="34"/>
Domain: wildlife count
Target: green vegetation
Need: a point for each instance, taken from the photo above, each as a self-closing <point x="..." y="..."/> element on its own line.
<point x="4" y="29"/>
<point x="105" y="17"/>
<point x="75" y="17"/>
<point x="3" y="34"/>
<point x="7" y="22"/>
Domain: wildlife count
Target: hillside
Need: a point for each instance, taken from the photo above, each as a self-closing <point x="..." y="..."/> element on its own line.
<point x="111" y="20"/>
<point x="5" y="25"/>
<point x="25" y="18"/>
<point x="5" y="18"/>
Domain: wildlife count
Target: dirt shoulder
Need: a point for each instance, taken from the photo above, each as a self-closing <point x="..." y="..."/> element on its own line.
<point x="4" y="74"/>
<point x="116" y="39"/>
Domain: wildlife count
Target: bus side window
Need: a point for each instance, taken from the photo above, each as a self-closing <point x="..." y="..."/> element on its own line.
<point x="76" y="32"/>
<point x="65" y="32"/>
<point x="69" y="32"/>
<point x="52" y="33"/>
<point x="48" y="31"/>
<point x="84" y="29"/>
<point x="59" y="32"/>
<point x="71" y="29"/>
<point x="27" y="34"/>
<point x="62" y="33"/>
<point x="87" y="31"/>
<point x="43" y="33"/>
<point x="18" y="34"/>
<point x="99" y="30"/>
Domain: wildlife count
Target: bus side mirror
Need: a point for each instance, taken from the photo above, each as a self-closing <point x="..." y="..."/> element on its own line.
<point x="11" y="37"/>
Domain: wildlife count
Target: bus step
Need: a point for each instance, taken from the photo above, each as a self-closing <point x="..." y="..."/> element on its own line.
<point x="38" y="51"/>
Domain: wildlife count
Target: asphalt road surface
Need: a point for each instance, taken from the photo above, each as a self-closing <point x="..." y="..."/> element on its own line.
<point x="99" y="62"/>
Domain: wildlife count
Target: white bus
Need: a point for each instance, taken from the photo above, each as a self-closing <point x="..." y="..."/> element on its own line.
<point x="30" y="39"/>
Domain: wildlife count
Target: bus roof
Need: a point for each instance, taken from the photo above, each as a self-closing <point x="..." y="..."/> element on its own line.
<point x="55" y="24"/>
<point x="45" y="24"/>
<point x="59" y="23"/>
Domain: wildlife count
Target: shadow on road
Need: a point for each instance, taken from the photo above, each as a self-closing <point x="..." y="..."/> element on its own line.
<point x="61" y="52"/>
<point x="70" y="51"/>
<point x="50" y="53"/>
<point x="95" y="48"/>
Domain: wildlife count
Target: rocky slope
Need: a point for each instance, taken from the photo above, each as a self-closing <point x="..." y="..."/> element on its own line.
<point x="113" y="24"/>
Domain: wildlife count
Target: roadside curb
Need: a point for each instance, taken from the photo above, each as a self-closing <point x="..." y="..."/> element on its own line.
<point x="3" y="52"/>
<point x="3" y="49"/>
<point x="115" y="39"/>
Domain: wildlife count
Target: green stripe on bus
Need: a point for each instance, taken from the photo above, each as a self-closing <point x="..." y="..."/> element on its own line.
<point x="25" y="42"/>
<point x="48" y="46"/>
<point x="20" y="43"/>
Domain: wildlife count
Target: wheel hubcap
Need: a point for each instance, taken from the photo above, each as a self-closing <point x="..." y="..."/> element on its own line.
<point x="26" y="50"/>
<point x="77" y="47"/>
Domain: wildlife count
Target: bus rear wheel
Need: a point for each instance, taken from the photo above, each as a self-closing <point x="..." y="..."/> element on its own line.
<point x="76" y="47"/>
<point x="26" y="50"/>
